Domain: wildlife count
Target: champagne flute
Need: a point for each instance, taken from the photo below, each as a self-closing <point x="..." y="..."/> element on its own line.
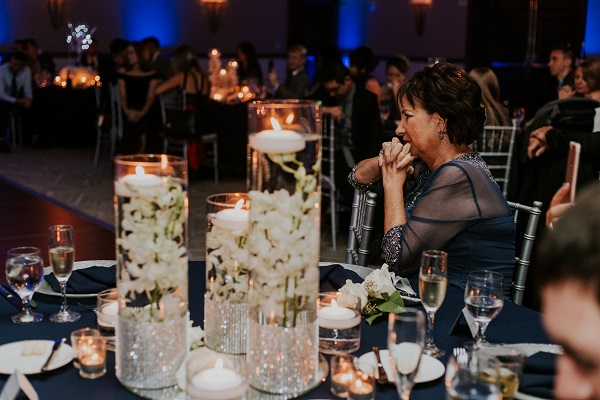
<point x="406" y="338"/>
<point x="62" y="255"/>
<point x="24" y="273"/>
<point x="484" y="298"/>
<point x="433" y="281"/>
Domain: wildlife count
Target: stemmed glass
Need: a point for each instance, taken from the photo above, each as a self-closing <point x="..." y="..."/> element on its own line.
<point x="484" y="298"/>
<point x="24" y="272"/>
<point x="406" y="338"/>
<point x="432" y="289"/>
<point x="62" y="255"/>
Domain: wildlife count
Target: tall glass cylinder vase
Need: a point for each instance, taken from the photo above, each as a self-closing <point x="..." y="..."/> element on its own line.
<point x="283" y="244"/>
<point x="226" y="298"/>
<point x="152" y="262"/>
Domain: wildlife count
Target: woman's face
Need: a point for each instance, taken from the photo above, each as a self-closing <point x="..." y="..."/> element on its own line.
<point x="131" y="55"/>
<point x="581" y="86"/>
<point x="394" y="75"/>
<point x="420" y="129"/>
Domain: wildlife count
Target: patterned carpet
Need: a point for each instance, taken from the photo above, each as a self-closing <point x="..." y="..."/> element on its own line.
<point x="68" y="177"/>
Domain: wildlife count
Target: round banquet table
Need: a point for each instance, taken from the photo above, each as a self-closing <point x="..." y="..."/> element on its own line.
<point x="514" y="324"/>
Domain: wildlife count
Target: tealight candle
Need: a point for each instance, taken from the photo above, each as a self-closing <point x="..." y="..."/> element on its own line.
<point x="361" y="390"/>
<point x="218" y="383"/>
<point x="138" y="183"/>
<point x="107" y="309"/>
<point x="342" y="373"/>
<point x="234" y="219"/>
<point x="91" y="351"/>
<point x="336" y="317"/>
<point x="277" y="140"/>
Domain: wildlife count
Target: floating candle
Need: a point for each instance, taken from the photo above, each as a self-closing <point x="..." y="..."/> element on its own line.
<point x="216" y="383"/>
<point x="233" y="219"/>
<point x="336" y="317"/>
<point x="277" y="140"/>
<point x="138" y="183"/>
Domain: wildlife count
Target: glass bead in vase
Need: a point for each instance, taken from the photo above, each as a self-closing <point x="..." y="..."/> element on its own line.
<point x="283" y="245"/>
<point x="152" y="263"/>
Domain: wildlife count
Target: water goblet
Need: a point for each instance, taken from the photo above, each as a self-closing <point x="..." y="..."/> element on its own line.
<point x="62" y="255"/>
<point x="406" y="339"/>
<point x="433" y="281"/>
<point x="24" y="273"/>
<point x="470" y="378"/>
<point x="484" y="298"/>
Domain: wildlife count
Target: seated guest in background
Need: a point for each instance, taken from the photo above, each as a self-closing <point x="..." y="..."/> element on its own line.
<point x="189" y="76"/>
<point x="297" y="82"/>
<point x="458" y="207"/>
<point x="141" y="114"/>
<point x="561" y="65"/>
<point x="37" y="62"/>
<point x="362" y="64"/>
<point x="569" y="278"/>
<point x="323" y="58"/>
<point x="396" y="69"/>
<point x="161" y="63"/>
<point x="249" y="72"/>
<point x="495" y="113"/>
<point x="15" y="88"/>
<point x="358" y="125"/>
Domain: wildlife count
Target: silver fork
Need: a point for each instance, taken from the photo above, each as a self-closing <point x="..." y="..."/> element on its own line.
<point x="460" y="353"/>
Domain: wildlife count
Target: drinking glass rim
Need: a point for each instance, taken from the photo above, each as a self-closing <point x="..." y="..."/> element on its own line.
<point x="239" y="195"/>
<point x="20" y="251"/>
<point x="60" y="227"/>
<point x="409" y="314"/>
<point x="148" y="160"/>
<point x="484" y="274"/>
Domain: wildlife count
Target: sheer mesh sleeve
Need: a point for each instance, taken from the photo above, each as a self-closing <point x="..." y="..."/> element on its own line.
<point x="455" y="196"/>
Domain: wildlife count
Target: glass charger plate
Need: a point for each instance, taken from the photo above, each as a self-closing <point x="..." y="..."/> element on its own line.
<point x="12" y="359"/>
<point x="45" y="287"/>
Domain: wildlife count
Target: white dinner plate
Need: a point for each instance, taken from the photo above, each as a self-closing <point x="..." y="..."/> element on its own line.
<point x="11" y="357"/>
<point x="45" y="287"/>
<point x="430" y="368"/>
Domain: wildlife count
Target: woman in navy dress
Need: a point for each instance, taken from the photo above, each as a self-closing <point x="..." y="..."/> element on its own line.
<point x="455" y="205"/>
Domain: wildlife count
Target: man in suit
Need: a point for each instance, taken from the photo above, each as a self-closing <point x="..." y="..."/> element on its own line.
<point x="161" y="63"/>
<point x="38" y="62"/>
<point x="15" y="90"/>
<point x="561" y="65"/>
<point x="297" y="83"/>
<point x="358" y="124"/>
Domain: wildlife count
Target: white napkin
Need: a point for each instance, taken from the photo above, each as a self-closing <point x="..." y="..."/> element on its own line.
<point x="16" y="383"/>
<point x="404" y="285"/>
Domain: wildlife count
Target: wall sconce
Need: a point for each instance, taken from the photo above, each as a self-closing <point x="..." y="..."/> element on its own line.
<point x="214" y="9"/>
<point x="56" y="8"/>
<point x="420" y="9"/>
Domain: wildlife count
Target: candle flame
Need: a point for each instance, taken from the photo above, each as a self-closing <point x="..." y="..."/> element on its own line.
<point x="95" y="356"/>
<point x="163" y="161"/>
<point x="289" y="119"/>
<point x="239" y="204"/>
<point x="219" y="363"/>
<point x="275" y="124"/>
<point x="334" y="304"/>
<point x="222" y="72"/>
<point x="214" y="52"/>
<point x="234" y="64"/>
<point x="358" y="383"/>
<point x="139" y="170"/>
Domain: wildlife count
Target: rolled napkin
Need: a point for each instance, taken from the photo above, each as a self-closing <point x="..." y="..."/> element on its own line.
<point x="87" y="281"/>
<point x="537" y="378"/>
<point x="334" y="276"/>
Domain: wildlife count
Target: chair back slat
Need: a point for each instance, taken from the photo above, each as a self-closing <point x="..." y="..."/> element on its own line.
<point x="495" y="145"/>
<point x="328" y="176"/>
<point x="362" y="222"/>
<point x="523" y="259"/>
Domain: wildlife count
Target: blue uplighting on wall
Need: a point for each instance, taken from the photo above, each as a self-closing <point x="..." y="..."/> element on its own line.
<point x="4" y="22"/>
<point x="592" y="28"/>
<point x="352" y="25"/>
<point x="158" y="18"/>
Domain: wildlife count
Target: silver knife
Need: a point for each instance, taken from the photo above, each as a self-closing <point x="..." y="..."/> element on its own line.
<point x="9" y="289"/>
<point x="55" y="347"/>
<point x="16" y="302"/>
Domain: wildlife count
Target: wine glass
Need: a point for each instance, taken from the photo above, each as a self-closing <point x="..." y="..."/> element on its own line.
<point x="471" y="378"/>
<point x="62" y="255"/>
<point x="433" y="281"/>
<point x="406" y="338"/>
<point x="484" y="298"/>
<point x="24" y="272"/>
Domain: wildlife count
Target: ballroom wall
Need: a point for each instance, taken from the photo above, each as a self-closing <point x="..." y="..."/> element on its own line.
<point x="386" y="25"/>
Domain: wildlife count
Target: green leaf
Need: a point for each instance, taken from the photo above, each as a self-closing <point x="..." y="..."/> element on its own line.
<point x="389" y="306"/>
<point x="373" y="317"/>
<point x="397" y="299"/>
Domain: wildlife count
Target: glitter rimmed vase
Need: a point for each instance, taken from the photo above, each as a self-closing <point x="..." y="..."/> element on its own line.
<point x="283" y="245"/>
<point x="152" y="263"/>
<point x="226" y="298"/>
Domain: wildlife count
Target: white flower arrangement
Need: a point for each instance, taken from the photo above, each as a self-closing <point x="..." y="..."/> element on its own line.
<point x="377" y="293"/>
<point x="152" y="251"/>
<point x="284" y="242"/>
<point x="226" y="266"/>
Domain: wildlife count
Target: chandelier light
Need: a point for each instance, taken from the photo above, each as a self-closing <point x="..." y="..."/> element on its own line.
<point x="214" y="10"/>
<point x="420" y="9"/>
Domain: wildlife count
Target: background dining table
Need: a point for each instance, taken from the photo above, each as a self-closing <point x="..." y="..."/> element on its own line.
<point x="514" y="324"/>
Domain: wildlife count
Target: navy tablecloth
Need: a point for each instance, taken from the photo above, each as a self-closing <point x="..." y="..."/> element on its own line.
<point x="515" y="324"/>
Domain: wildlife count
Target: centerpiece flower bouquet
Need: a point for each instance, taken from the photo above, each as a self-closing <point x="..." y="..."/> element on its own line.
<point x="377" y="293"/>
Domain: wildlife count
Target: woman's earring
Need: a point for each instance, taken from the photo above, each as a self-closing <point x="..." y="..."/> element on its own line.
<point x="441" y="135"/>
